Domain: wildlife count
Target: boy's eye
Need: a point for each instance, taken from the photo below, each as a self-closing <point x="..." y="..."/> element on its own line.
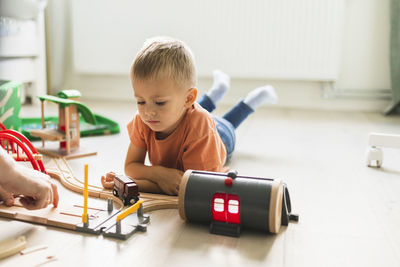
<point x="140" y="102"/>
<point x="162" y="103"/>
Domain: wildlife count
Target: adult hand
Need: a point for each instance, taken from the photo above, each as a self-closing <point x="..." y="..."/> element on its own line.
<point x="34" y="188"/>
<point x="6" y="197"/>
<point x="38" y="191"/>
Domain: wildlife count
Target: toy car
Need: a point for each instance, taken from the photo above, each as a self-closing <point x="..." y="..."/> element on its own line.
<point x="126" y="189"/>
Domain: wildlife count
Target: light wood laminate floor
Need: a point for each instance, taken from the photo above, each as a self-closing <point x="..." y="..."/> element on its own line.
<point x="349" y="213"/>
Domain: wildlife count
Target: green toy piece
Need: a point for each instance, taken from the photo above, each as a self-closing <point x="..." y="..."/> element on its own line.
<point x="10" y="104"/>
<point x="70" y="93"/>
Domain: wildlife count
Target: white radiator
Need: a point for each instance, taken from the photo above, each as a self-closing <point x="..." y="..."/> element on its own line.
<point x="273" y="39"/>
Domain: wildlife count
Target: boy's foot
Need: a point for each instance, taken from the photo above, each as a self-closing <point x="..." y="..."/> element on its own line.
<point x="219" y="87"/>
<point x="260" y="95"/>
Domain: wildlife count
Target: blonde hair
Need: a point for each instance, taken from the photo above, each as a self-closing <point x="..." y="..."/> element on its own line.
<point x="162" y="57"/>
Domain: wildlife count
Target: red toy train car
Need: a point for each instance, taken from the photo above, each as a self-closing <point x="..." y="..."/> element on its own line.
<point x="125" y="189"/>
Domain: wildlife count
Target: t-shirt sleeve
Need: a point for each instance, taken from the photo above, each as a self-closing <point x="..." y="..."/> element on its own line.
<point x="136" y="132"/>
<point x="204" y="153"/>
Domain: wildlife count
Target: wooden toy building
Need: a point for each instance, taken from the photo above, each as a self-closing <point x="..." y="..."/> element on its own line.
<point x="67" y="132"/>
<point x="230" y="202"/>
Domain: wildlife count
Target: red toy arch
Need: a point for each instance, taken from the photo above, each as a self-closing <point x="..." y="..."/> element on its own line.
<point x="20" y="148"/>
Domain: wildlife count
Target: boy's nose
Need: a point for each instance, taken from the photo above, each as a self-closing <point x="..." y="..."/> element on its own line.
<point x="150" y="112"/>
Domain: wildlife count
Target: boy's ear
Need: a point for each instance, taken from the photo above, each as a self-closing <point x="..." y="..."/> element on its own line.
<point x="191" y="97"/>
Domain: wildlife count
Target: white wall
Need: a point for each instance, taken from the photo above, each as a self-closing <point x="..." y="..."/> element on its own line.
<point x="365" y="61"/>
<point x="364" y="65"/>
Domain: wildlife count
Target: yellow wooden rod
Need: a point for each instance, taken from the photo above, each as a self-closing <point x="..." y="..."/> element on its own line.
<point x="85" y="195"/>
<point x="129" y="210"/>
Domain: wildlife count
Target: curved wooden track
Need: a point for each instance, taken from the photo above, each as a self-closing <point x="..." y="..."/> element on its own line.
<point x="59" y="169"/>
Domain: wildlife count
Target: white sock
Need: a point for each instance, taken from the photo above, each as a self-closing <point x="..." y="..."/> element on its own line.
<point x="219" y="87"/>
<point x="260" y="95"/>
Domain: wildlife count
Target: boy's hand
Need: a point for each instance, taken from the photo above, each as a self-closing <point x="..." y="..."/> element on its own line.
<point x="169" y="181"/>
<point x="108" y="180"/>
<point x="225" y="169"/>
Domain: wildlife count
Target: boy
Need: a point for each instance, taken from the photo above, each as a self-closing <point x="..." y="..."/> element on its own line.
<point x="176" y="132"/>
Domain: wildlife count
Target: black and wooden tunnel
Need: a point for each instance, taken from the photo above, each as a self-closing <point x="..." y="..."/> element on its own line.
<point x="263" y="203"/>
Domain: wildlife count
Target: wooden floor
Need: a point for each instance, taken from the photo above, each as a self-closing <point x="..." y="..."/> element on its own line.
<point x="349" y="213"/>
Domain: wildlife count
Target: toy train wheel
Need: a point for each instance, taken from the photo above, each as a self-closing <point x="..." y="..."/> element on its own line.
<point x="115" y="193"/>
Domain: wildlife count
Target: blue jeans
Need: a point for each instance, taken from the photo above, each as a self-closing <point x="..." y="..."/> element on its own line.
<point x="229" y="122"/>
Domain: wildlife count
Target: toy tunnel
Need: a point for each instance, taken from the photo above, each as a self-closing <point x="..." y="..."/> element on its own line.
<point x="228" y="199"/>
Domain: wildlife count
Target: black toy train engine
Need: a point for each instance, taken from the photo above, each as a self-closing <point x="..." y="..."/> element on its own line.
<point x="126" y="189"/>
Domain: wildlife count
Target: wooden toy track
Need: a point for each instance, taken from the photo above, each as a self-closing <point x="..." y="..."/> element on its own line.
<point x="59" y="169"/>
<point x="69" y="216"/>
<point x="20" y="148"/>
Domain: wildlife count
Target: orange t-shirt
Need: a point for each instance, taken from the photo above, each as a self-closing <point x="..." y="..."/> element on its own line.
<point x="194" y="144"/>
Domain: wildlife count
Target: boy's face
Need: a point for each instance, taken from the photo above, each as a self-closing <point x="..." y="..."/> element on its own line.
<point x="161" y="103"/>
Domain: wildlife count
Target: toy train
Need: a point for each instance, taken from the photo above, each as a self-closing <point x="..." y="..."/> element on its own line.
<point x="230" y="202"/>
<point x="125" y="189"/>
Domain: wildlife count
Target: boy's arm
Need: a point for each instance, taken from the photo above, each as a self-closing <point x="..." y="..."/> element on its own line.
<point x="154" y="179"/>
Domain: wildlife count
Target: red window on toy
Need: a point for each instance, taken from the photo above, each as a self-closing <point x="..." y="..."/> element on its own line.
<point x="226" y="208"/>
